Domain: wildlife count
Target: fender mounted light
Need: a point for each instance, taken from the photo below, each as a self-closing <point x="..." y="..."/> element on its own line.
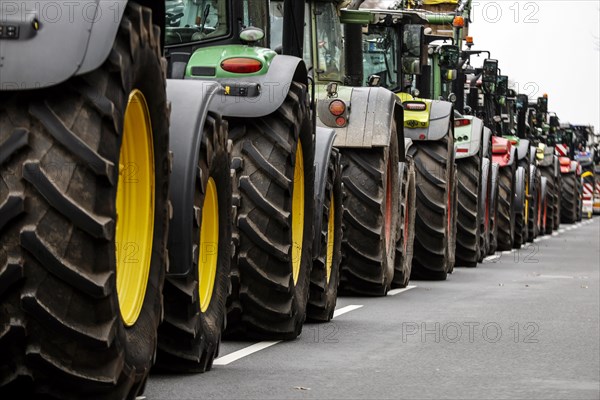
<point x="241" y="65"/>
<point x="414" y="106"/>
<point x="337" y="107"/>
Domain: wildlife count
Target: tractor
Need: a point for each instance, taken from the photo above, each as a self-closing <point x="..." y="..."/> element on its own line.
<point x="378" y="206"/>
<point x="85" y="200"/>
<point x="584" y="155"/>
<point x="286" y="183"/>
<point x="395" y="54"/>
<point x="571" y="180"/>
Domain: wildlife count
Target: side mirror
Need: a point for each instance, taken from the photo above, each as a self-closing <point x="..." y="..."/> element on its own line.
<point x="449" y="56"/>
<point x="252" y="34"/>
<point x="413" y="43"/>
<point x="542" y="103"/>
<point x="374" y="80"/>
<point x="502" y="88"/>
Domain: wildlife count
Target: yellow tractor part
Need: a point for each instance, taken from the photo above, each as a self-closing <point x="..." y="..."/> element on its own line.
<point x="298" y="213"/>
<point x="330" y="237"/>
<point x="209" y="245"/>
<point x="135" y="208"/>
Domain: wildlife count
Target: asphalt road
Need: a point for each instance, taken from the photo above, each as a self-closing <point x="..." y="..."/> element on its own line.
<point x="521" y="325"/>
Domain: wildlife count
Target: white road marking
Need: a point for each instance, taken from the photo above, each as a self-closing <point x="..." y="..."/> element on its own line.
<point x="543" y="238"/>
<point x="554" y="233"/>
<point x="561" y="230"/>
<point x="507" y="252"/>
<point x="556" y="276"/>
<point x="394" y="292"/>
<point x="345" y="310"/>
<point x="246" y="351"/>
<point x="492" y="258"/>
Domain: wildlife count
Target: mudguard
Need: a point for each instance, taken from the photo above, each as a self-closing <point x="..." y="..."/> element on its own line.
<point x="401" y="165"/>
<point x="556" y="166"/>
<point x="523" y="149"/>
<point x="188" y="113"/>
<point x="532" y="151"/>
<point x="483" y="192"/>
<point x="89" y="27"/>
<point x="548" y="157"/>
<point x="504" y="158"/>
<point x="371" y="113"/>
<point x="494" y="191"/>
<point x="519" y="195"/>
<point x="474" y="133"/>
<point x="273" y="88"/>
<point x="441" y="118"/>
<point x="487" y="141"/>
<point x="544" y="185"/>
<point x="324" y="146"/>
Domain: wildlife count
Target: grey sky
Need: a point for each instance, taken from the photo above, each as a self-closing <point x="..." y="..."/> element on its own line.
<point x="546" y="47"/>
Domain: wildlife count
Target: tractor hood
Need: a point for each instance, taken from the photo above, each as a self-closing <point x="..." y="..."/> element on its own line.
<point x="209" y="62"/>
<point x="425" y="119"/>
<point x="468" y="131"/>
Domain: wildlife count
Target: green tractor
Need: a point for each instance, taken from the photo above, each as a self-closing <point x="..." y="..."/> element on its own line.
<point x="395" y="50"/>
<point x="85" y="198"/>
<point x="286" y="191"/>
<point x="378" y="211"/>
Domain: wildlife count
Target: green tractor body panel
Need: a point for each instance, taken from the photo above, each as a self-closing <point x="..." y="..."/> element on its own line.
<point x="207" y="62"/>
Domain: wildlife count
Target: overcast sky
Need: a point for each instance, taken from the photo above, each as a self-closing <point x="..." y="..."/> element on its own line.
<point x="549" y="46"/>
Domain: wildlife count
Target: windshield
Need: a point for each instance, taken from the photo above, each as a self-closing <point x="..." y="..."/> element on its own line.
<point x="380" y="49"/>
<point x="195" y="20"/>
<point x="330" y="53"/>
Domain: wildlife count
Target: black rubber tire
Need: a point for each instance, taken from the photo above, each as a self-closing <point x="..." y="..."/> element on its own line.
<point x="367" y="259"/>
<point x="468" y="222"/>
<point x="406" y="230"/>
<point x="557" y="202"/>
<point x="434" y="166"/>
<point x="188" y="339"/>
<point x="323" y="290"/>
<point x="61" y="332"/>
<point x="570" y="198"/>
<point x="506" y="224"/>
<point x="532" y="228"/>
<point x="264" y="302"/>
<point x="551" y="194"/>
<point x="484" y="226"/>
<point x="519" y="216"/>
<point x="451" y="249"/>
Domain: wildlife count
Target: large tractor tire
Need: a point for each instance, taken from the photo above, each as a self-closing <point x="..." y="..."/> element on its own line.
<point x="189" y="337"/>
<point x="493" y="238"/>
<point x="468" y="223"/>
<point x="521" y="216"/>
<point x="83" y="220"/>
<point x="580" y="197"/>
<point x="435" y="178"/>
<point x="506" y="224"/>
<point x="273" y="157"/>
<point x="551" y="200"/>
<point x="533" y="204"/>
<point x="406" y="238"/>
<point x="325" y="274"/>
<point x="569" y="207"/>
<point x="557" y="201"/>
<point x="370" y="178"/>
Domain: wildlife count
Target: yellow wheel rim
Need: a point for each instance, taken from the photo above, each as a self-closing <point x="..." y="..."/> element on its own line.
<point x="298" y="213"/>
<point x="209" y="245"/>
<point x="330" y="237"/>
<point x="135" y="208"/>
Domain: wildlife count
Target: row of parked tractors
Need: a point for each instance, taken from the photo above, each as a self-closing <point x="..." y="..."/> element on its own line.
<point x="216" y="167"/>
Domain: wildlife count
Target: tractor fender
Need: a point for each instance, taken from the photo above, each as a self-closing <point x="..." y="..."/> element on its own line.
<point x="89" y="28"/>
<point x="441" y="118"/>
<point x="532" y="152"/>
<point x="574" y="166"/>
<point x="188" y="113"/>
<point x="506" y="160"/>
<point x="544" y="186"/>
<point x="274" y="87"/>
<point x="487" y="141"/>
<point x="519" y="195"/>
<point x="483" y="192"/>
<point x="523" y="149"/>
<point x="371" y="112"/>
<point x="473" y="147"/>
<point x="556" y="162"/>
<point x="324" y="138"/>
<point x="494" y="191"/>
